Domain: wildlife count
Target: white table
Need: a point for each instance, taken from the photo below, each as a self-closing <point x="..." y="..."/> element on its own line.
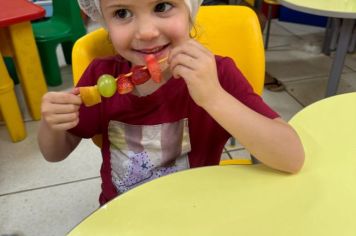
<point x="343" y="9"/>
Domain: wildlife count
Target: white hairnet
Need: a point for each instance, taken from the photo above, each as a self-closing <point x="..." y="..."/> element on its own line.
<point x="92" y="8"/>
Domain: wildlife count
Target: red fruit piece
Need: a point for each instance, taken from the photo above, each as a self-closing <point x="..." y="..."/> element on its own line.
<point x="124" y="84"/>
<point x="139" y="75"/>
<point x="154" y="68"/>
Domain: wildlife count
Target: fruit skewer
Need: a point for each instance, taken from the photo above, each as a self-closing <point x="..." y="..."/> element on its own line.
<point x="107" y="85"/>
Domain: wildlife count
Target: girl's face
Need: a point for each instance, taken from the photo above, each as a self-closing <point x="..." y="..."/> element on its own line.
<point x="141" y="27"/>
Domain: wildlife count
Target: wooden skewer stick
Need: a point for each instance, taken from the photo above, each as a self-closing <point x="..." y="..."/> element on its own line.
<point x="145" y="67"/>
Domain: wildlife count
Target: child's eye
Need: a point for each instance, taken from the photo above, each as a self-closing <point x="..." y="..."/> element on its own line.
<point x="122" y="13"/>
<point x="163" y="7"/>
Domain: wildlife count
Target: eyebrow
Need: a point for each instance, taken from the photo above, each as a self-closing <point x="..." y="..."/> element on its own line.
<point x="126" y="3"/>
<point x="115" y="4"/>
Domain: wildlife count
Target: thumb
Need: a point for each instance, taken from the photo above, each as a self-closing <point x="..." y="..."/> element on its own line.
<point x="75" y="91"/>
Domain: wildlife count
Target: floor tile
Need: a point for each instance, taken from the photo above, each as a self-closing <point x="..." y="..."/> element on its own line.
<point x="225" y="156"/>
<point x="313" y="89"/>
<point x="297" y="36"/>
<point x="291" y="65"/>
<point x="49" y="211"/>
<point x="350" y="61"/>
<point x="301" y="30"/>
<point x="285" y="105"/>
<point x="60" y="56"/>
<point x="23" y="167"/>
<point x="279" y="36"/>
<point x="240" y="154"/>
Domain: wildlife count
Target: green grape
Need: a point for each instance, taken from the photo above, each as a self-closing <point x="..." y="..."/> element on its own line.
<point x="106" y="85"/>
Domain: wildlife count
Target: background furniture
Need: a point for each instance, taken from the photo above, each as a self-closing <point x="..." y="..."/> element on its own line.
<point x="246" y="48"/>
<point x="332" y="34"/>
<point x="346" y="10"/>
<point x="17" y="41"/>
<point x="9" y="107"/>
<point x="64" y="27"/>
<point x="270" y="4"/>
<point x="251" y="200"/>
<point x="47" y="5"/>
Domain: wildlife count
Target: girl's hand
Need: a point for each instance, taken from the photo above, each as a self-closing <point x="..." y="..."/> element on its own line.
<point x="196" y="65"/>
<point x="60" y="109"/>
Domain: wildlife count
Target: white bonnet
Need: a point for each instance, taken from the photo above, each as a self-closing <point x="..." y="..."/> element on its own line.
<point x="92" y="8"/>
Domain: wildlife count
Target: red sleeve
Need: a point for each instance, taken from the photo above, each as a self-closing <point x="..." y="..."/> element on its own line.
<point x="234" y="82"/>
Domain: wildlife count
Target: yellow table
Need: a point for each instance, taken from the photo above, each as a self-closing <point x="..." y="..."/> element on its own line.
<point x="251" y="200"/>
<point x="343" y="9"/>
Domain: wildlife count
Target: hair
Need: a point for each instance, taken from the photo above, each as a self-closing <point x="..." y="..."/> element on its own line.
<point x="193" y="33"/>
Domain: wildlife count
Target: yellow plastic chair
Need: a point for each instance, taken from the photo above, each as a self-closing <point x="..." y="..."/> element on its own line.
<point x="229" y="30"/>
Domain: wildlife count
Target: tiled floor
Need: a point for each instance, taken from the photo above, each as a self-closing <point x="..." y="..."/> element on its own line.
<point x="41" y="198"/>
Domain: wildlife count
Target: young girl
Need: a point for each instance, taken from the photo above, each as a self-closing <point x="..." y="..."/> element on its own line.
<point x="159" y="128"/>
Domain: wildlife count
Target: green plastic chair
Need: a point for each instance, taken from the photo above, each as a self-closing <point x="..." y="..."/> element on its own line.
<point x="64" y="27"/>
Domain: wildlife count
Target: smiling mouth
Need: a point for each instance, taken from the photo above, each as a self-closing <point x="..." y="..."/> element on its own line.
<point x="152" y="50"/>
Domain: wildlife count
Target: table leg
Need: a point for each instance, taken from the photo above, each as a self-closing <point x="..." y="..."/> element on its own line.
<point x="9" y="106"/>
<point x="352" y="46"/>
<point x="338" y="62"/>
<point x="28" y="66"/>
<point x="331" y="35"/>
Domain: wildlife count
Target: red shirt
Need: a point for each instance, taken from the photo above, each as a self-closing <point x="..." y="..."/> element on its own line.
<point x="170" y="104"/>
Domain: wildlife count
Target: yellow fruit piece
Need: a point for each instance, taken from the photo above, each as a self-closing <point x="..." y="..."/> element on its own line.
<point x="90" y="95"/>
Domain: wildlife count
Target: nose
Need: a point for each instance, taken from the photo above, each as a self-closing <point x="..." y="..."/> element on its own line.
<point x="147" y="29"/>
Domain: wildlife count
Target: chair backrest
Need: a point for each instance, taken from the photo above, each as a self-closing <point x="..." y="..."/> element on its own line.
<point x="68" y="11"/>
<point x="90" y="46"/>
<point x="232" y="31"/>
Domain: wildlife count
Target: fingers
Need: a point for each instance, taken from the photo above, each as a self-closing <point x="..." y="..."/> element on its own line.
<point x="182" y="63"/>
<point x="63" y="97"/>
<point x="190" y="48"/>
<point x="190" y="59"/>
<point x="60" y="110"/>
<point x="62" y="121"/>
<point x="197" y="66"/>
<point x="65" y="126"/>
<point x="75" y="91"/>
<point x="62" y="118"/>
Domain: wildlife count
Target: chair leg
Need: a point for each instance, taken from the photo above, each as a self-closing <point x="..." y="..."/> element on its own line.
<point x="67" y="51"/>
<point x="232" y="141"/>
<point x="269" y="16"/>
<point x="49" y="62"/>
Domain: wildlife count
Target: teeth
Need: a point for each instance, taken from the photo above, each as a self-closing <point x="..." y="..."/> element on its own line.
<point x="153" y="50"/>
